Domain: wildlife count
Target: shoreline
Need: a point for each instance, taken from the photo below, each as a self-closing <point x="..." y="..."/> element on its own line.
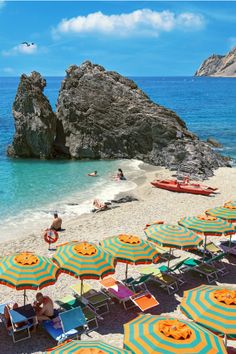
<point x="143" y="192"/>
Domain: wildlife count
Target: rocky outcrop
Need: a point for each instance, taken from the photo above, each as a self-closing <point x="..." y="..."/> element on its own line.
<point x="103" y="115"/>
<point x="35" y="122"/>
<point x="219" y="65"/>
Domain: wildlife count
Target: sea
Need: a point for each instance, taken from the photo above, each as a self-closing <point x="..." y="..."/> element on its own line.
<point x="31" y="190"/>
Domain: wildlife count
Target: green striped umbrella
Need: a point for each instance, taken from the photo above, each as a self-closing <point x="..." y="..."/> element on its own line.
<point x="208" y="225"/>
<point x="173" y="236"/>
<point x="214" y="307"/>
<point x="84" y="260"/>
<point x="148" y="334"/>
<point x="26" y="270"/>
<point x="225" y="212"/>
<point x="231" y="203"/>
<point x="130" y="249"/>
<point x="85" y="347"/>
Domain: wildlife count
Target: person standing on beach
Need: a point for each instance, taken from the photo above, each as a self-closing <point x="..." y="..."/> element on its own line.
<point x="56" y="223"/>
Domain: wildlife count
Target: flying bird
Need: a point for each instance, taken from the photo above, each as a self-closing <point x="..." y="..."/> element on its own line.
<point x="27" y="44"/>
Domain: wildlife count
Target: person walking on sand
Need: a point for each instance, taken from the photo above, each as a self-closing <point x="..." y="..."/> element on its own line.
<point x="56" y="223"/>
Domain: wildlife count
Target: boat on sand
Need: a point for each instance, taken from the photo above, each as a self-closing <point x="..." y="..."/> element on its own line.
<point x="184" y="186"/>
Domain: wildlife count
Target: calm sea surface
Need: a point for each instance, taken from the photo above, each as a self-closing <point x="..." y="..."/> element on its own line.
<point x="208" y="106"/>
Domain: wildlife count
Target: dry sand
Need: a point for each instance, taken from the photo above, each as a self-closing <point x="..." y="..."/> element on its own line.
<point x="154" y="204"/>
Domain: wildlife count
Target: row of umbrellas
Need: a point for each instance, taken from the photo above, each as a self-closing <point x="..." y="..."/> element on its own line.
<point x="88" y="261"/>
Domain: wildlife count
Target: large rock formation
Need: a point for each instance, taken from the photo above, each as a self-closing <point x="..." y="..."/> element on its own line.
<point x="35" y="122"/>
<point x="101" y="114"/>
<point x="219" y="65"/>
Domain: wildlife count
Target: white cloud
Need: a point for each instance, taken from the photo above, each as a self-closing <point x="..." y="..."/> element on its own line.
<point x="143" y="21"/>
<point x="21" y="49"/>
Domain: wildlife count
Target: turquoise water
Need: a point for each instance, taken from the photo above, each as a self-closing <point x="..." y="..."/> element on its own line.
<point x="36" y="188"/>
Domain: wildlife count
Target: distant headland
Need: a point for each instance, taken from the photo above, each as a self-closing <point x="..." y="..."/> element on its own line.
<point x="219" y="65"/>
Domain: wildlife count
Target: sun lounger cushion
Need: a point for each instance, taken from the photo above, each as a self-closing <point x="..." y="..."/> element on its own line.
<point x="144" y="301"/>
<point x="54" y="329"/>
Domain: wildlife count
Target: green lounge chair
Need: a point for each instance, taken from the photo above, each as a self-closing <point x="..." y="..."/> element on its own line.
<point x="173" y="270"/>
<point x="135" y="283"/>
<point x="166" y="281"/>
<point x="200" y="267"/>
<point x="70" y="302"/>
<point x="216" y="262"/>
<point x="97" y="300"/>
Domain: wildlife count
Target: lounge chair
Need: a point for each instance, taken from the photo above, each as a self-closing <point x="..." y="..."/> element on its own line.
<point x="212" y="249"/>
<point x="97" y="300"/>
<point x="18" y="325"/>
<point x="201" y="267"/>
<point x="216" y="262"/>
<point x="70" y="302"/>
<point x="137" y="283"/>
<point x="228" y="247"/>
<point x="166" y="281"/>
<point x="67" y="325"/>
<point x="172" y="270"/>
<point x="116" y="289"/>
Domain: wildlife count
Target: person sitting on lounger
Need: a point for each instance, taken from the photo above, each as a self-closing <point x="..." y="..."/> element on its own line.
<point x="7" y="308"/>
<point x="99" y="205"/>
<point x="43" y="307"/>
<point x="56" y="223"/>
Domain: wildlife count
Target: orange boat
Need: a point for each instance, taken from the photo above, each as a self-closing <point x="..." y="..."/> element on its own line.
<point x="183" y="187"/>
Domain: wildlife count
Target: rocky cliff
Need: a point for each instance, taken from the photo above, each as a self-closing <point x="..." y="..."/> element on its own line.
<point x="35" y="122"/>
<point x="219" y="65"/>
<point x="101" y="114"/>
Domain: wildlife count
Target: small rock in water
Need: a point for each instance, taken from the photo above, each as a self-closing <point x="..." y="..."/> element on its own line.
<point x="215" y="143"/>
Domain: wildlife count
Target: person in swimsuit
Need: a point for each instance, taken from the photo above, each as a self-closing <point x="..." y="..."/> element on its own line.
<point x="43" y="307"/>
<point x="120" y="175"/>
<point x="56" y="223"/>
<point x="93" y="174"/>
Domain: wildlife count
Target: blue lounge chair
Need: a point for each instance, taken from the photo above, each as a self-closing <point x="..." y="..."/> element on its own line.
<point x="67" y="325"/>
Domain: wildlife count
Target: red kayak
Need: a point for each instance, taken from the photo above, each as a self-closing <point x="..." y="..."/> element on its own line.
<point x="183" y="187"/>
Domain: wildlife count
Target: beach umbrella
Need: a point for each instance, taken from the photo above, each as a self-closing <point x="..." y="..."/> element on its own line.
<point x="231" y="203"/>
<point x="226" y="212"/>
<point x="214" y="307"/>
<point x="84" y="260"/>
<point x="130" y="249"/>
<point x="208" y="226"/>
<point x="85" y="347"/>
<point x="148" y="334"/>
<point x="173" y="236"/>
<point x="27" y="270"/>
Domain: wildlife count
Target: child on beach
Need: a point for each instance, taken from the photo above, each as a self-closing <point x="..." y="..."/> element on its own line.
<point x="120" y="175"/>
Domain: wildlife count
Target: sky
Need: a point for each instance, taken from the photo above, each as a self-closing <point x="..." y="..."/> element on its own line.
<point x="136" y="38"/>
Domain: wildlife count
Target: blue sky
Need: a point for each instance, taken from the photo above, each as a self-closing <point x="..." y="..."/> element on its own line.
<point x="134" y="38"/>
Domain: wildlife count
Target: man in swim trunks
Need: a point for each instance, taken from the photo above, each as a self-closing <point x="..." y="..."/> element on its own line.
<point x="43" y="307"/>
<point x="56" y="223"/>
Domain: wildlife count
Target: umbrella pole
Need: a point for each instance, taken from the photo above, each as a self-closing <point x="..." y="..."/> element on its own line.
<point x="169" y="259"/>
<point x="205" y="248"/>
<point x="126" y="271"/>
<point x="230" y="238"/>
<point x="25" y="296"/>
<point x="225" y="340"/>
<point x="81" y="287"/>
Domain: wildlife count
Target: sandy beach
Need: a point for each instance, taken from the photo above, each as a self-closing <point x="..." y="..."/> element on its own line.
<point x="153" y="204"/>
